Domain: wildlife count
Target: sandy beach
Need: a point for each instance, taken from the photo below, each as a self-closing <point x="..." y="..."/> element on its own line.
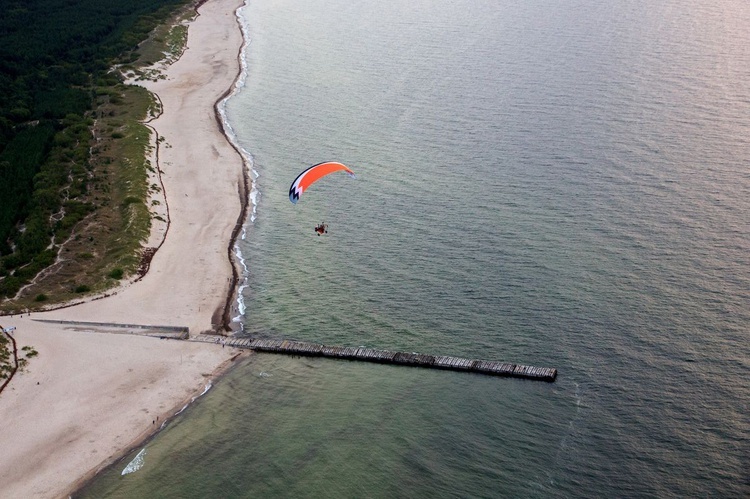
<point x="90" y="394"/>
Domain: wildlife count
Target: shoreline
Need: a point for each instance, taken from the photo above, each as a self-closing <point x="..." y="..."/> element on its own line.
<point x="165" y="419"/>
<point x="245" y="186"/>
<point x="85" y="402"/>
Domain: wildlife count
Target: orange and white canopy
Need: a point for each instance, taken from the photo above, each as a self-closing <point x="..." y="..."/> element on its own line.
<point x="312" y="175"/>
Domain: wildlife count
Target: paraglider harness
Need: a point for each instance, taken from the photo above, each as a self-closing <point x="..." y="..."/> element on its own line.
<point x="321" y="228"/>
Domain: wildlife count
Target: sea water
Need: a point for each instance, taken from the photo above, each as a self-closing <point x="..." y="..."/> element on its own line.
<point x="556" y="183"/>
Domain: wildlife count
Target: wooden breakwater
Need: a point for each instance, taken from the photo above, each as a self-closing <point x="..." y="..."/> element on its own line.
<point x="174" y="332"/>
<point x="290" y="347"/>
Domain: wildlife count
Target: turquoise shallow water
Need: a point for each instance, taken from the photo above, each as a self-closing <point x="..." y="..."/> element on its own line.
<point x="561" y="184"/>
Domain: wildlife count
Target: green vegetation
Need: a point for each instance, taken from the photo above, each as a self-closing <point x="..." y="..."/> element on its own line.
<point x="6" y="363"/>
<point x="73" y="167"/>
<point x="29" y="351"/>
<point x="116" y="273"/>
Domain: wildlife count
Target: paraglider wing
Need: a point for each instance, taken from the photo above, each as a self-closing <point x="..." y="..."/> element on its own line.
<point x="312" y="175"/>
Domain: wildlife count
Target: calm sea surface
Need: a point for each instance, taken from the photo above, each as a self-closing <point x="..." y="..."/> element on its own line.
<point x="561" y="183"/>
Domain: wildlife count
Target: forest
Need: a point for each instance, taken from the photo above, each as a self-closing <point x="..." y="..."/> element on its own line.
<point x="55" y="57"/>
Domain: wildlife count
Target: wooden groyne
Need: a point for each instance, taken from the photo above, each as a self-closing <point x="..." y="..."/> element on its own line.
<point x="290" y="347"/>
<point x="173" y="332"/>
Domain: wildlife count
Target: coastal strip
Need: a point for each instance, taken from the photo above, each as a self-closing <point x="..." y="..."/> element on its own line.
<point x="89" y="398"/>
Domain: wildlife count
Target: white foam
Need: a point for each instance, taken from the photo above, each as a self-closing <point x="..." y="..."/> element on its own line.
<point x="240" y="297"/>
<point x="205" y="389"/>
<point x="247" y="158"/>
<point x="135" y="464"/>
